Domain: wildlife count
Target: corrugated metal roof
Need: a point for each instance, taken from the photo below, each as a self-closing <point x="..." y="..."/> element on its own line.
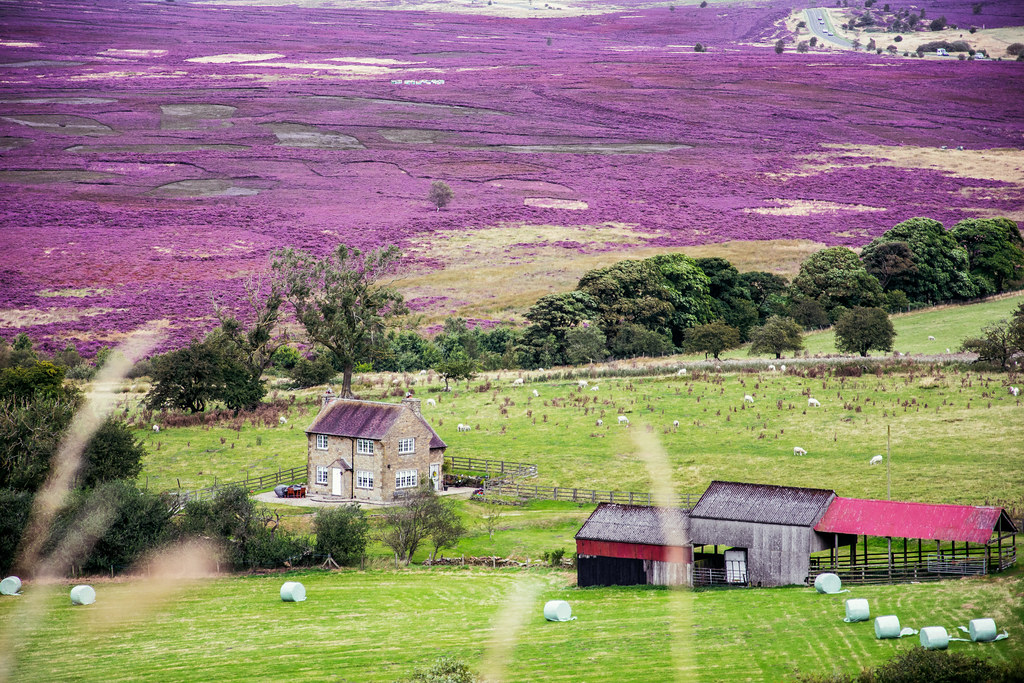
<point x="363" y="420"/>
<point x="914" y="520"/>
<point x="636" y="524"/>
<point x="762" y="503"/>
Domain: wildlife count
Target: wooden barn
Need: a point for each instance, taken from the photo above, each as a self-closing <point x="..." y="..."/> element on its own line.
<point x="628" y="545"/>
<point x="756" y="534"/>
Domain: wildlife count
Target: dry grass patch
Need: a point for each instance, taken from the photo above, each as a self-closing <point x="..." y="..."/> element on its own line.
<point x="1005" y="165"/>
<point x="799" y="207"/>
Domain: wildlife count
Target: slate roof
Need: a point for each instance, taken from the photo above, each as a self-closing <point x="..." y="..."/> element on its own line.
<point x="973" y="524"/>
<point x="363" y="420"/>
<point x="762" y="503"/>
<point x="635" y="524"/>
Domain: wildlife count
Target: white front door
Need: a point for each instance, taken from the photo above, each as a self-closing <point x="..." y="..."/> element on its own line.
<point x="435" y="476"/>
<point x="336" y="485"/>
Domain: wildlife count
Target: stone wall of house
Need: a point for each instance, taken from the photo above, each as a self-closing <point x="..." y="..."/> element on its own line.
<point x="337" y="447"/>
<point x="408" y="425"/>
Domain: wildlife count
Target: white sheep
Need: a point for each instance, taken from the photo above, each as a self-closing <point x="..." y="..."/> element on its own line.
<point x="813" y="403"/>
<point x="464" y="428"/>
<point x="600" y="422"/>
<point x="748" y="399"/>
<point x="1015" y="391"/>
<point x="623" y="419"/>
<point x="540" y="369"/>
<point x="799" y="451"/>
<point x="282" y="420"/>
<point x="876" y="460"/>
<point x="947" y="350"/>
<point x="431" y="402"/>
<point x="423" y="372"/>
<point x="156" y="428"/>
<point x="782" y="369"/>
<point x="395" y="381"/>
<point x="595" y="387"/>
<point x="582" y="383"/>
<point x="517" y="382"/>
<point x="771" y="367"/>
<point x="675" y="423"/>
<point x="536" y="394"/>
<point x="681" y="371"/>
<point x="931" y="338"/>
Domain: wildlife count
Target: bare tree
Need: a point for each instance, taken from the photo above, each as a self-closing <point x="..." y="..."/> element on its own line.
<point x="420" y="516"/>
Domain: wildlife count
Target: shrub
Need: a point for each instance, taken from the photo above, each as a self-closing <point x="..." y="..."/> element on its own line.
<point x="802" y="46"/>
<point x="898" y="39"/>
<point x="16" y="506"/>
<point x="341" y="532"/>
<point x="934" y="666"/>
<point x="310" y="373"/>
<point x="779" y="46"/>
<point x="445" y="669"/>
<point x="937" y="24"/>
<point x="698" y="48"/>
<point x="1014" y="49"/>
<point x="441" y="194"/>
<point x="554" y="557"/>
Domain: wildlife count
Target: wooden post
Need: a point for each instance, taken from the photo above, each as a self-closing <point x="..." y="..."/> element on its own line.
<point x="888" y="541"/>
<point x="904" y="552"/>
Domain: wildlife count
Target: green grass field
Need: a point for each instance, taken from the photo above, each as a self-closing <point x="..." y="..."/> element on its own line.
<point x="380" y="625"/>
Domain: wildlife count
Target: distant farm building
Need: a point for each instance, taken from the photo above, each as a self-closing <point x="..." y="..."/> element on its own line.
<point x="762" y="535"/>
<point x="627" y="545"/>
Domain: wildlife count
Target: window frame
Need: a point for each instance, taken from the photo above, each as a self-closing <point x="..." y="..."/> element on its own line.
<point x="411" y="441"/>
<point x="362" y="442"/>
<point x="406" y="479"/>
<point x="364" y="479"/>
<point x="322" y="438"/>
<point x="326" y="472"/>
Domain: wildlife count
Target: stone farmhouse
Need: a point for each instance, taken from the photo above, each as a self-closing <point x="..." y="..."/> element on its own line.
<point x="371" y="451"/>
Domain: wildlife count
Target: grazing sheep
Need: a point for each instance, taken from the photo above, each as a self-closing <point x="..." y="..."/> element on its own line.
<point x="156" y="428"/>
<point x="517" y="382"/>
<point x="675" y="423"/>
<point x="772" y="367"/>
<point x="540" y="369"/>
<point x="799" y="451"/>
<point x="931" y="338"/>
<point x="748" y="399"/>
<point x="582" y="383"/>
<point x="681" y="371"/>
<point x="623" y="419"/>
<point x="875" y="460"/>
<point x="1015" y="391"/>
<point x="395" y="381"/>
<point x="782" y="369"/>
<point x="536" y="393"/>
<point x="595" y="387"/>
<point x="464" y="428"/>
<point x="282" y="420"/>
<point x="600" y="422"/>
<point x="813" y="403"/>
<point x="431" y="402"/>
<point x="947" y="350"/>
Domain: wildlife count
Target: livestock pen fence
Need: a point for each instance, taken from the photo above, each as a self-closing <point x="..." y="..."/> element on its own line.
<point x="916" y="565"/>
<point x="496" y="470"/>
<point x="293" y="475"/>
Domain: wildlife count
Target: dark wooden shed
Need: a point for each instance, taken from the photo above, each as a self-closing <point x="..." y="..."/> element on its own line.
<point x="628" y="545"/>
<point x="756" y="534"/>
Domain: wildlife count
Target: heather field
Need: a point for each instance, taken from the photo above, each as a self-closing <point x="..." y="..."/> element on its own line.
<point x="153" y="155"/>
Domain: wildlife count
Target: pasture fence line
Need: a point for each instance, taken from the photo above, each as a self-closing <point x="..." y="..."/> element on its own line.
<point x="293" y="475"/>
<point x="577" y="495"/>
<point x="496" y="470"/>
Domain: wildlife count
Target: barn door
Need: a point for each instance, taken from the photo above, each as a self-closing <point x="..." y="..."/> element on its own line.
<point x="736" y="565"/>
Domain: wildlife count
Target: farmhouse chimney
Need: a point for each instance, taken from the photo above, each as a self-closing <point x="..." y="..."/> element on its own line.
<point x="414" y="405"/>
<point x="327" y="399"/>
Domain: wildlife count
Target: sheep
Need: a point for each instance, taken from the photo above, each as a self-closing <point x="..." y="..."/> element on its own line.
<point x="782" y="368"/>
<point x="582" y="383"/>
<point x="282" y="420"/>
<point x="675" y="423"/>
<point x="623" y="420"/>
<point x="931" y="338"/>
<point x="681" y="372"/>
<point x="423" y="372"/>
<point x="1015" y="391"/>
<point x="395" y="381"/>
<point x="464" y="428"/>
<point x="599" y="423"/>
<point x="595" y="387"/>
<point x="748" y="399"/>
<point x="799" y="451"/>
<point x="947" y="350"/>
<point x="517" y="382"/>
<point x="431" y="402"/>
<point x="772" y="367"/>
<point x="156" y="428"/>
<point x="813" y="403"/>
<point x="536" y="394"/>
<point x="875" y="460"/>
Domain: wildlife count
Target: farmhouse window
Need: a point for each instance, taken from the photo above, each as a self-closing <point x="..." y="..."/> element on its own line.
<point x="321" y="442"/>
<point x="364" y="446"/>
<point x="364" y="480"/>
<point x="405" y="479"/>
<point x="406" y="446"/>
<point x="321" y="475"/>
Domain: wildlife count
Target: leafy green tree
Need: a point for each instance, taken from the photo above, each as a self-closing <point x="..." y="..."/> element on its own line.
<point x="113" y="453"/>
<point x="188" y="378"/>
<point x="30" y="433"/>
<point x="861" y="329"/>
<point x="775" y="336"/>
<point x="16" y="506"/>
<point x="409" y="523"/>
<point x="731" y="300"/>
<point x="341" y="301"/>
<point x="23" y="354"/>
<point x="767" y="292"/>
<point x="836" y="277"/>
<point x="809" y="314"/>
<point x="943" y="271"/>
<point x="891" y="263"/>
<point x="562" y="311"/>
<point x="342" y="533"/>
<point x="688" y="288"/>
<point x="311" y="372"/>
<point x="995" y="251"/>
<point x="446" y="531"/>
<point x="585" y="345"/>
<point x="41" y="379"/>
<point x="635" y="340"/>
<point x="457" y="366"/>
<point x="999" y="343"/>
<point x="712" y="338"/>
<point x="440" y="194"/>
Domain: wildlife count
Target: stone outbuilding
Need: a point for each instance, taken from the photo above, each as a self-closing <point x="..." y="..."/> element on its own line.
<point x="371" y="451"/>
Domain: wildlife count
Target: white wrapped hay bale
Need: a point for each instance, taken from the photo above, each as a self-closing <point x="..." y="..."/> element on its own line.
<point x="887" y="627"/>
<point x="857" y="610"/>
<point x="83" y="595"/>
<point x="558" y="610"/>
<point x="982" y="630"/>
<point x="293" y="591"/>
<point x="934" y="638"/>
<point x="828" y="583"/>
<point x="10" y="586"/>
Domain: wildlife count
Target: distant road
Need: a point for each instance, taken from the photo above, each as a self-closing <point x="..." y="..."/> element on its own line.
<point x="820" y="24"/>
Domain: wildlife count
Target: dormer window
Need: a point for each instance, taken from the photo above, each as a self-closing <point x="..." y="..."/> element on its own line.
<point x="321" y="442"/>
<point x="407" y="446"/>
<point x="364" y="446"/>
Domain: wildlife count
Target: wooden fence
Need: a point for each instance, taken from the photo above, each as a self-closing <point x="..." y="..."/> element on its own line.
<point x="711" y="576"/>
<point x="575" y="495"/>
<point x="877" y="568"/>
<point x="294" y="475"/>
<point x="496" y="470"/>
